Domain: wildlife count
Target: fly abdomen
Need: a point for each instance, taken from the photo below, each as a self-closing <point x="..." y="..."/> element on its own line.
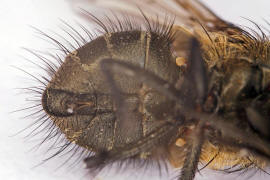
<point x="79" y="97"/>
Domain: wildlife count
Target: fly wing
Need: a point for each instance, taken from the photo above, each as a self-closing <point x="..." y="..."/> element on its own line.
<point x="190" y="17"/>
<point x="187" y="13"/>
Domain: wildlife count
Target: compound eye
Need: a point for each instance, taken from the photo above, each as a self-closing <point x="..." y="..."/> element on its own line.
<point x="63" y="103"/>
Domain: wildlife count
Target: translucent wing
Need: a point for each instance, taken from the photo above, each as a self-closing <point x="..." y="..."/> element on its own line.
<point x="186" y="12"/>
<point x="190" y="17"/>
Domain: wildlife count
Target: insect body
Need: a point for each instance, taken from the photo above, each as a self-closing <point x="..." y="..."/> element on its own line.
<point x="82" y="105"/>
<point x="166" y="93"/>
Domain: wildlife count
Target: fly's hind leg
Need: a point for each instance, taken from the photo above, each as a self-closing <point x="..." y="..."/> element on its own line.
<point x="157" y="138"/>
<point x="160" y="137"/>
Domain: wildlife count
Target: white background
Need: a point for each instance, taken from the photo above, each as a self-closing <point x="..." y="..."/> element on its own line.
<point x="18" y="159"/>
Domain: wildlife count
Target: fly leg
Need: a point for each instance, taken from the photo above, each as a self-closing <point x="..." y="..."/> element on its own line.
<point x="159" y="137"/>
<point x="156" y="138"/>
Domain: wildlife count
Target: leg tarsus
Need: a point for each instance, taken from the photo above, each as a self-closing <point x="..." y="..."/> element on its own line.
<point x="193" y="154"/>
